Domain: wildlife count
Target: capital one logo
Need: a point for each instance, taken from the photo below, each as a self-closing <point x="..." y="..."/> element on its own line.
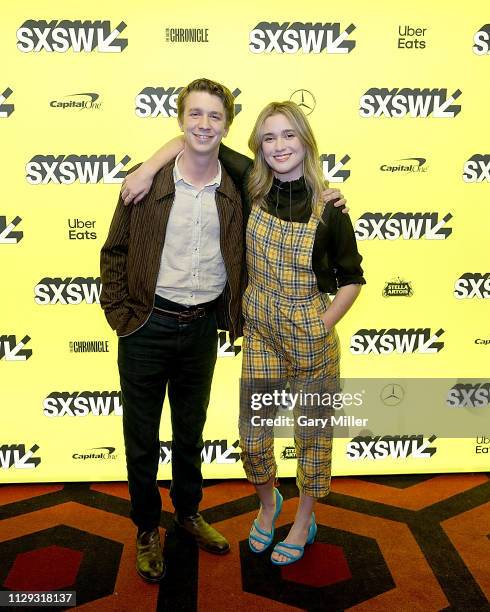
<point x="67" y="169"/>
<point x="6" y="109"/>
<point x="160" y="101"/>
<point x="82" y="403"/>
<point x="333" y="170"/>
<point x="80" y="36"/>
<point x="390" y="447"/>
<point x="384" y="102"/>
<point x="16" y="456"/>
<point x="69" y="291"/>
<point x="388" y="341"/>
<point x="214" y="451"/>
<point x="269" y="37"/>
<point x="482" y="40"/>
<point x="477" y="168"/>
<point x="7" y="233"/>
<point x="408" y="226"/>
<point x="472" y="285"/>
<point x="11" y="350"/>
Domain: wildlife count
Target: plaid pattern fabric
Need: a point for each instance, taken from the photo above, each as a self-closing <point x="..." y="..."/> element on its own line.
<point x="285" y="340"/>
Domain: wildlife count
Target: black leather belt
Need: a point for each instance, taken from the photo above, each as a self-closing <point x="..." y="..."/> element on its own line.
<point x="187" y="315"/>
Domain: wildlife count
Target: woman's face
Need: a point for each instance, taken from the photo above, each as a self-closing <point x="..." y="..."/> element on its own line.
<point x="282" y="149"/>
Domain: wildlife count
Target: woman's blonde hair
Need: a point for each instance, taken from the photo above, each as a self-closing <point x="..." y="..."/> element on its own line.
<point x="261" y="176"/>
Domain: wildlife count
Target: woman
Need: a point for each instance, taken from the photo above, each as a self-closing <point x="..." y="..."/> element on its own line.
<point x="298" y="251"/>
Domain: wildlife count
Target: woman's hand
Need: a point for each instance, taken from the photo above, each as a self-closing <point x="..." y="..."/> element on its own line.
<point x="333" y="194"/>
<point x="327" y="321"/>
<point x="135" y="186"/>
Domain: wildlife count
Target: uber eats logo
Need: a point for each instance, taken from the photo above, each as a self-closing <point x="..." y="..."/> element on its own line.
<point x="464" y="395"/>
<point x="409" y="226"/>
<point x="7" y="233"/>
<point x="80" y="36"/>
<point x="333" y="170"/>
<point x="11" y="350"/>
<point x="16" y="456"/>
<point x="161" y="101"/>
<point x="82" y="403"/>
<point x="472" y="285"/>
<point x="287" y="37"/>
<point x="66" y="169"/>
<point x="214" y="451"/>
<point x="6" y="109"/>
<point x="68" y="290"/>
<point x="390" y="447"/>
<point x="387" y="341"/>
<point x="384" y="102"/>
<point x="477" y="168"/>
<point x="482" y="40"/>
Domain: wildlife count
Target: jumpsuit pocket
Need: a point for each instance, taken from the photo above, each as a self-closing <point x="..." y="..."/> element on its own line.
<point x="319" y="306"/>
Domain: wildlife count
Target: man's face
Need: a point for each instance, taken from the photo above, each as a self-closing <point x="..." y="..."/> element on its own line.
<point x="203" y="122"/>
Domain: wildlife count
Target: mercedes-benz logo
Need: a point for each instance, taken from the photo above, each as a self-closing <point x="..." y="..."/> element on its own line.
<point x="304" y="99"/>
<point x="392" y="395"/>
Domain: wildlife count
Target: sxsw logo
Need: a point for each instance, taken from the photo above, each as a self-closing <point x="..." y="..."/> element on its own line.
<point x="482" y="40"/>
<point x="7" y="234"/>
<point x="11" y="350"/>
<point x="477" y="168"/>
<point x="82" y="403"/>
<point x="390" y="447"/>
<point x="214" y="451"/>
<point x="225" y="347"/>
<point x="16" y="456"/>
<point x="269" y="37"/>
<point x="472" y="285"/>
<point x="463" y="395"/>
<point x="384" y="102"/>
<point x="158" y="101"/>
<point x="409" y="226"/>
<point x="80" y="36"/>
<point x="66" y="169"/>
<point x="387" y="341"/>
<point x="6" y="109"/>
<point x="68" y="290"/>
<point x="334" y="170"/>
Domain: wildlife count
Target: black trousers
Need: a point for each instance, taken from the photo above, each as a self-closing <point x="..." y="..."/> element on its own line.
<point x="181" y="356"/>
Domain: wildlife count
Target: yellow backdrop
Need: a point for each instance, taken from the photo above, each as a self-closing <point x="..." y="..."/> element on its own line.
<point x="397" y="95"/>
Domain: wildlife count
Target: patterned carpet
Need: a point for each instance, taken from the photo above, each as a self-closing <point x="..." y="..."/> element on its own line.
<point x="400" y="543"/>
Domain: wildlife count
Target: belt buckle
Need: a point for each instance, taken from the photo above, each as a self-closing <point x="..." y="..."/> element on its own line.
<point x="197" y="313"/>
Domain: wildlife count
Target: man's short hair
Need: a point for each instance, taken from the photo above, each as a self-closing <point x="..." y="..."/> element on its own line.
<point x="213" y="88"/>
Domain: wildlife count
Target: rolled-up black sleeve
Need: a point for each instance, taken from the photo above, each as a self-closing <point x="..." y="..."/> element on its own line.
<point x="341" y="247"/>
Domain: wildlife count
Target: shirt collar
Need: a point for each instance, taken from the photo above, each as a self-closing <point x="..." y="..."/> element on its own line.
<point x="216" y="181"/>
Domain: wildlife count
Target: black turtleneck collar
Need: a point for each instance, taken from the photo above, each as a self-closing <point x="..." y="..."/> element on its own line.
<point x="289" y="200"/>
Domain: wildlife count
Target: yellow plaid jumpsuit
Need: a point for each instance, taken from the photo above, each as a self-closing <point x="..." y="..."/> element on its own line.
<point x="284" y="339"/>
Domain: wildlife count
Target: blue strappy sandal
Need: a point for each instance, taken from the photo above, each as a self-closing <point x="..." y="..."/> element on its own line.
<point x="282" y="548"/>
<point x="265" y="537"/>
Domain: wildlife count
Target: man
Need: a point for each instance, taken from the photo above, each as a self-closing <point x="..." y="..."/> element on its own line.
<point x="172" y="272"/>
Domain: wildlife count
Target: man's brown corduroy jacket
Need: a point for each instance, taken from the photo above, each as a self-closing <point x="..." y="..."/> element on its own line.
<point x="130" y="257"/>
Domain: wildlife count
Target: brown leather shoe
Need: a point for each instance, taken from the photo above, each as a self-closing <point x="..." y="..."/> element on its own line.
<point x="149" y="556"/>
<point x="205" y="536"/>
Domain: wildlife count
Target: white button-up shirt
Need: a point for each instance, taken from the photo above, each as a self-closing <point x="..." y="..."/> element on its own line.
<point x="192" y="270"/>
